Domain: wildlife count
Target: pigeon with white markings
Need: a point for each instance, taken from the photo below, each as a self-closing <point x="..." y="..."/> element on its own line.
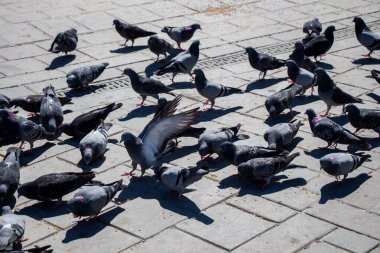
<point x="281" y="135"/>
<point x="340" y="164"/>
<point x="90" y="199"/>
<point x="83" y="76"/>
<point x="36" y="249"/>
<point x="158" y="46"/>
<point x="179" y="178"/>
<point x="312" y="29"/>
<point x="12" y="229"/>
<point x="282" y="99"/>
<point x="9" y="174"/>
<point x="365" y="36"/>
<point x="332" y="132"/>
<point x="181" y="34"/>
<point x="331" y="94"/>
<point x="51" y="113"/>
<point x="5" y="102"/>
<point x="184" y="62"/>
<point x="363" y="118"/>
<point x="129" y="31"/>
<point x="265" y="168"/>
<point x="298" y="55"/>
<point x="321" y="44"/>
<point x="145" y="86"/>
<point x="376" y="75"/>
<point x="94" y="144"/>
<point x="154" y="141"/>
<point x="301" y="76"/>
<point x="65" y="42"/>
<point x="210" y="89"/>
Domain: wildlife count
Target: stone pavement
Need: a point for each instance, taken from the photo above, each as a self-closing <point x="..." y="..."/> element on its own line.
<point x="302" y="211"/>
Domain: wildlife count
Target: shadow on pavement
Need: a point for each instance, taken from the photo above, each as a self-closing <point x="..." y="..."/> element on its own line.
<point x="263" y="84"/>
<point x="61" y="61"/>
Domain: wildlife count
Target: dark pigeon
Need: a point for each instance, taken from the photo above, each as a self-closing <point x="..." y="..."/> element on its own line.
<point x="376" y="75"/>
<point x="54" y="186"/>
<point x="9" y="174"/>
<point x="32" y="103"/>
<point x="145" y="86"/>
<point x="158" y="46"/>
<point x="363" y="118"/>
<point x="301" y="76"/>
<point x="85" y="123"/>
<point x="36" y="249"/>
<point x="332" y="132"/>
<point x="130" y="32"/>
<point x="321" y="44"/>
<point x="282" y="99"/>
<point x="298" y="55"/>
<point x="12" y="229"/>
<point x="65" y="42"/>
<point x="83" y="76"/>
<point x="263" y="62"/>
<point x="281" y="135"/>
<point x="51" y="114"/>
<point x="366" y="37"/>
<point x="312" y="27"/>
<point x="5" y="102"/>
<point x="181" y="34"/>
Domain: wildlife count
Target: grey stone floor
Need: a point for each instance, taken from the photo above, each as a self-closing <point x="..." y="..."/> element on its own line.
<point x="303" y="211"/>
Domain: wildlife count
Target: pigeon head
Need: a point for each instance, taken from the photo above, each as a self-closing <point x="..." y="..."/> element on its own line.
<point x="272" y="111"/>
<point x="203" y="149"/>
<point x="327" y="164"/>
<point x="72" y="81"/>
<point x="130" y="72"/>
<point x="162" y="102"/>
<point x="6" y="210"/>
<point x="298" y="45"/>
<point x="49" y="91"/>
<point x="158" y="171"/>
<point x="73" y="31"/>
<point x="165" y="29"/>
<point x="196" y="26"/>
<point x="199" y="77"/>
<point x="293" y="69"/>
<point x="76" y="205"/>
<point x="310" y="113"/>
<point x="330" y="30"/>
<point x="358" y="21"/>
<point x="18" y="102"/>
<point x="116" y="22"/>
<point x="250" y="51"/>
<point x="87" y="154"/>
<point x="351" y="108"/>
<point x="30" y="130"/>
<point x="227" y="151"/>
<point x="194" y="47"/>
<point x="244" y="169"/>
<point x="130" y="140"/>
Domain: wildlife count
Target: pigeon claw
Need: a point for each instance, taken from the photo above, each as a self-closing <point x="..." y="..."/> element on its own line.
<point x="141" y="104"/>
<point x="131" y="173"/>
<point x="367" y="55"/>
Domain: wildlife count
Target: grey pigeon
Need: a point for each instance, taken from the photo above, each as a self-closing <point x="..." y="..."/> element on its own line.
<point x="376" y="75"/>
<point x="237" y="154"/>
<point x="158" y="46"/>
<point x="263" y="62"/>
<point x="90" y="199"/>
<point x="331" y="94"/>
<point x="365" y="36"/>
<point x="312" y="27"/>
<point x="12" y="229"/>
<point x="130" y="32"/>
<point x="298" y="55"/>
<point x="265" y="168"/>
<point x="332" y="132"/>
<point x="5" y="102"/>
<point x="210" y="141"/>
<point x="85" y="123"/>
<point x="282" y="99"/>
<point x="9" y="174"/>
<point x="363" y="118"/>
<point x="54" y="186"/>
<point x="83" y="76"/>
<point x="179" y="178"/>
<point x="51" y="113"/>
<point x="153" y="142"/>
<point x="281" y="135"/>
<point x="321" y="44"/>
<point x="145" y="86"/>
<point x="65" y="42"/>
<point x="340" y="164"/>
<point x="181" y="34"/>
<point x="301" y="76"/>
<point x="94" y="144"/>
<point x="36" y="249"/>
<point x="211" y="90"/>
<point x="184" y="62"/>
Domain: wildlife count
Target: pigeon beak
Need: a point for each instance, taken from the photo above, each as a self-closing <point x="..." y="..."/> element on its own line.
<point x="121" y="141"/>
<point x="163" y="30"/>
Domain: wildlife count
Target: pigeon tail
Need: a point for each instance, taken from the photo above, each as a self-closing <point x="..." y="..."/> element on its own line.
<point x="291" y="157"/>
<point x="116" y="106"/>
<point x="280" y="63"/>
<point x="350" y="138"/>
<point x="226" y="91"/>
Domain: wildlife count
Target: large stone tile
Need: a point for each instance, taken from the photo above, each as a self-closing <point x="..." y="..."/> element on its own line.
<point x="321" y="247"/>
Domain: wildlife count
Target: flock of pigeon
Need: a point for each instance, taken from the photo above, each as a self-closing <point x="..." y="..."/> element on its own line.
<point x="159" y="136"/>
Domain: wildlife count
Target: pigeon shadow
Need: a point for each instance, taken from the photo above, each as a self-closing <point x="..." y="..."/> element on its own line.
<point x="67" y="111"/>
<point x="92" y="165"/>
<point x="136" y="188"/>
<point x="140" y="112"/>
<point x="182" y="85"/>
<point x="321" y="152"/>
<point x="43" y="210"/>
<point x="72" y="93"/>
<point x="338" y="190"/>
<point x="326" y="66"/>
<point x="303" y="100"/>
<point x="179" y="153"/>
<point x="281" y="118"/>
<point x="30" y="155"/>
<point x="151" y="68"/>
<point x="374" y="97"/>
<point x="294" y="143"/>
<point x="61" y="61"/>
<point x="263" y="84"/>
<point x="216" y="113"/>
<point x="126" y="50"/>
<point x="11" y="203"/>
<point x="72" y="141"/>
<point x="366" y="61"/>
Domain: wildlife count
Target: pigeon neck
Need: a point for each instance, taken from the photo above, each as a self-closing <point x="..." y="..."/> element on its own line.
<point x="11" y="156"/>
<point x="194" y="50"/>
<point x="200" y="81"/>
<point x="293" y="72"/>
<point x="330" y="36"/>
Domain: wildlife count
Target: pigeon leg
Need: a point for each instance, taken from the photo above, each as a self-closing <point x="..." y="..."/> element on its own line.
<point x="328" y="145"/>
<point x="142" y="102"/>
<point x="290" y="113"/>
<point x="134" y="167"/>
<point x="179" y="196"/>
<point x="158" y="57"/>
<point x="21" y="145"/>
<point x="312" y="90"/>
<point x="125" y="43"/>
<point x="315" y="58"/>
<point x="206" y="102"/>
<point x="260" y="75"/>
<point x="179" y="46"/>
<point x="327" y="111"/>
<point x="177" y="142"/>
<point x="174" y="74"/>
<point x="267" y="182"/>
<point x="32" y="114"/>
<point x="357" y="130"/>
<point x="367" y="55"/>
<point x="133" y="42"/>
<point x="344" y="109"/>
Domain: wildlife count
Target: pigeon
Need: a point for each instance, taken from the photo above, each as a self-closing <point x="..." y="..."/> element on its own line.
<point x="9" y="174"/>
<point x="366" y="37"/>
<point x="298" y="55"/>
<point x="153" y="142"/>
<point x="54" y="186"/>
<point x="32" y="103"/>
<point x="312" y="27"/>
<point x="210" y="141"/>
<point x="184" y="62"/>
<point x="181" y="34"/>
<point x="130" y="32"/>
<point x="90" y="199"/>
<point x="319" y="45"/>
<point x="263" y="62"/>
<point x="158" y="46"/>
<point x="83" y="76"/>
<point x="332" y="132"/>
<point x="5" y="102"/>
<point x="376" y="75"/>
<point x="363" y="118"/>
<point x="51" y="114"/>
<point x="331" y="94"/>
<point x="281" y="135"/>
<point x="65" y="42"/>
<point x="237" y="154"/>
<point x="179" y="178"/>
<point x="282" y="99"/>
<point x="340" y="164"/>
<point x="301" y="76"/>
<point x="211" y="90"/>
<point x="93" y="145"/>
<point x="12" y="228"/>
<point x="36" y="249"/>
<point x="145" y="86"/>
<point x="85" y="123"/>
<point x="265" y="168"/>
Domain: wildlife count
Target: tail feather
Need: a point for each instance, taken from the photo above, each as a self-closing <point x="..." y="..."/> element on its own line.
<point x="147" y="33"/>
<point x="350" y="138"/>
<point x="280" y="63"/>
<point x="291" y="157"/>
<point x="116" y="106"/>
<point x="226" y="91"/>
